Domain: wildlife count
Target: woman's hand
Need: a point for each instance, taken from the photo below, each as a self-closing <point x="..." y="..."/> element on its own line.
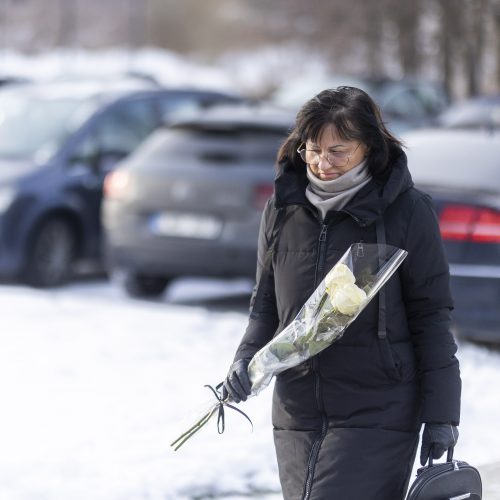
<point x="237" y="384"/>
<point x="437" y="438"/>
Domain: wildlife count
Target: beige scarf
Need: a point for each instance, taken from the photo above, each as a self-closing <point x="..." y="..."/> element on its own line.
<point x="334" y="194"/>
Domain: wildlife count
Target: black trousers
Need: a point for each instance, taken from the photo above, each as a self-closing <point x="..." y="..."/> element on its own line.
<point x="350" y="463"/>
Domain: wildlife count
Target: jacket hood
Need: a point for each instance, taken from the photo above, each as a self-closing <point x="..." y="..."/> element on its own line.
<point x="367" y="205"/>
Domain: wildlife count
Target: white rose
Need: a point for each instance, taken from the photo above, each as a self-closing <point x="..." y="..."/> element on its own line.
<point x="339" y="275"/>
<point x="347" y="298"/>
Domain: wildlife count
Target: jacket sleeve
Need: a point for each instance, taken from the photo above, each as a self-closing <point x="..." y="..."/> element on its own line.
<point x="263" y="320"/>
<point x="428" y="304"/>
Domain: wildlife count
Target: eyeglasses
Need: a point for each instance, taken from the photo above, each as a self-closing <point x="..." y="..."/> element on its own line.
<point x="334" y="158"/>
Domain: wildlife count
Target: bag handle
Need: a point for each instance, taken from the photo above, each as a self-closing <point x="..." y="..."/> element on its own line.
<point x="449" y="456"/>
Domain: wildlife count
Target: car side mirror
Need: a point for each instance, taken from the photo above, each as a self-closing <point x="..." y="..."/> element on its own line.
<point x="99" y="162"/>
<point x="107" y="160"/>
<point x="83" y="162"/>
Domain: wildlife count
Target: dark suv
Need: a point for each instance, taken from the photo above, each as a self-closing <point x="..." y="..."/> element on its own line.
<point x="57" y="142"/>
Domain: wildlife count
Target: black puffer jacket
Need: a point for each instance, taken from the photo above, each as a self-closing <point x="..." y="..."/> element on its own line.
<point x="362" y="381"/>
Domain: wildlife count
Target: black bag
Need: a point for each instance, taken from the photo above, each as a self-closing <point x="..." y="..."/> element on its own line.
<point x="450" y="480"/>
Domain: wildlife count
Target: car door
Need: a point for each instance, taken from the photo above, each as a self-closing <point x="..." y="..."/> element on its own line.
<point x="111" y="136"/>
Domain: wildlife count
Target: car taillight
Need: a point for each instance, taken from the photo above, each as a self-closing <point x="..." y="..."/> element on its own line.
<point x="487" y="227"/>
<point x="262" y="192"/>
<point x="470" y="223"/>
<point x="116" y="184"/>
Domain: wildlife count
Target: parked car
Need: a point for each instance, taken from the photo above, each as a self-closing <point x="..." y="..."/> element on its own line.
<point x="189" y="200"/>
<point x="57" y="142"/>
<point x="476" y="112"/>
<point x="461" y="171"/>
<point x="410" y="103"/>
<point x="406" y="103"/>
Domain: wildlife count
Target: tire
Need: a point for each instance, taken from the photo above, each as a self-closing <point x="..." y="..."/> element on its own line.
<point x="142" y="286"/>
<point x="51" y="254"/>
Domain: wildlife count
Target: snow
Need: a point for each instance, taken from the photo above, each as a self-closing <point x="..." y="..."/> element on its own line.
<point x="167" y="67"/>
<point x="95" y="386"/>
<point x="252" y="73"/>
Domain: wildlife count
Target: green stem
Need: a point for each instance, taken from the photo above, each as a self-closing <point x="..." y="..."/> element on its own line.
<point x="309" y="336"/>
<point x="194" y="429"/>
<point x="320" y="305"/>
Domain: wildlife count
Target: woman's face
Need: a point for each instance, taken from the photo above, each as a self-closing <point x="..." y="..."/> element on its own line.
<point x="331" y="156"/>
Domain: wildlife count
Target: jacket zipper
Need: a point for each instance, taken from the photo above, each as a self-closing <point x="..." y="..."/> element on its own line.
<point x="320" y="264"/>
<point x="313" y="456"/>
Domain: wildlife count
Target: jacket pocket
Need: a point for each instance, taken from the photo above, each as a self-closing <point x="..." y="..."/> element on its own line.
<point x="390" y="360"/>
<point x="398" y="360"/>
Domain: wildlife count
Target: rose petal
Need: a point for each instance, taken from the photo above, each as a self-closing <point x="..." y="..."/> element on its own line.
<point x="347" y="298"/>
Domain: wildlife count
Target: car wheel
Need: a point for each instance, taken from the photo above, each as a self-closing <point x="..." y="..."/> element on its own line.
<point x="51" y="254"/>
<point x="140" y="285"/>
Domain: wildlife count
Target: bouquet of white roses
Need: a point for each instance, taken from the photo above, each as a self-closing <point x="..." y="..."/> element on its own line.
<point x="337" y="301"/>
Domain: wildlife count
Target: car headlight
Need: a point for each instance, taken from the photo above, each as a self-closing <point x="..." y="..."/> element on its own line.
<point x="6" y="197"/>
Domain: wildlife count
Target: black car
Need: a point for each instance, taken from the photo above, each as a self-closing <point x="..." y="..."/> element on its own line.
<point x="57" y="142"/>
<point x="461" y="171"/>
<point x="189" y="200"/>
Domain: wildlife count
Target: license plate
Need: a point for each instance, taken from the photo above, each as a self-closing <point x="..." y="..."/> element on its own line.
<point x="186" y="225"/>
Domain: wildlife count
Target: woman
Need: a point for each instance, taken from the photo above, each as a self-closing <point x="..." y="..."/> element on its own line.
<point x="346" y="423"/>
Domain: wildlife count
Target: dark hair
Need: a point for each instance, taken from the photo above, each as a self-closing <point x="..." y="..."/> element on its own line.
<point x="355" y="116"/>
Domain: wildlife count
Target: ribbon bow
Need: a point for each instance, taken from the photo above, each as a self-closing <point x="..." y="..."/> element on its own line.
<point x="217" y="407"/>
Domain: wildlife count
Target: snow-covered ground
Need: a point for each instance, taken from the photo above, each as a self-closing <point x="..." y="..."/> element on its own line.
<point x="95" y="387"/>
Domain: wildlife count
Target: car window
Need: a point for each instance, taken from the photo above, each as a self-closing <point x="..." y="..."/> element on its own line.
<point x="115" y="135"/>
<point x="418" y="100"/>
<point x="404" y="103"/>
<point x="123" y="128"/>
<point x="175" y="107"/>
<point x="241" y="146"/>
<point x="213" y="147"/>
<point x="432" y="99"/>
<point x="35" y="126"/>
<point x="86" y="151"/>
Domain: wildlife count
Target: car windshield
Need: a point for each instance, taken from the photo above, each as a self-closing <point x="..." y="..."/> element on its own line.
<point x="34" y="126"/>
<point x="238" y="146"/>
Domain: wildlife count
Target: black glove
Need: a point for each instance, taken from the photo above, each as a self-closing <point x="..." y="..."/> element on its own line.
<point x="437" y="438"/>
<point x="237" y="384"/>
